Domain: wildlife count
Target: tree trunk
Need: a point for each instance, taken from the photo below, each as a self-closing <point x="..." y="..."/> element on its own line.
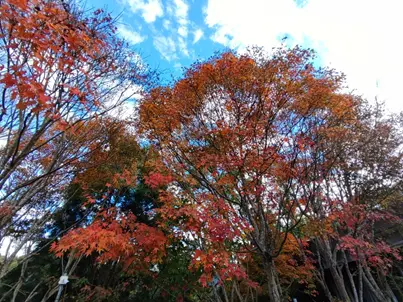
<point x="374" y="285"/>
<point x="377" y="293"/>
<point x="274" y="289"/>
<point x="331" y="260"/>
<point x="386" y="286"/>
<point x="397" y="288"/>
<point x="320" y="276"/>
<point x="339" y="282"/>
<point x="20" y="281"/>
<point x="350" y="277"/>
<point x="325" y="288"/>
<point x="360" y="286"/>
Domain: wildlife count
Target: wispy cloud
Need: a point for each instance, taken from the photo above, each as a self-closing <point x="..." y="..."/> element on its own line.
<point x="183" y="47"/>
<point x="181" y="14"/>
<point x="183" y="31"/>
<point x="150" y="9"/>
<point x="166" y="24"/>
<point x="166" y="47"/>
<point x="176" y="30"/>
<point x="130" y="35"/>
<point x="181" y="11"/>
<point x="197" y="34"/>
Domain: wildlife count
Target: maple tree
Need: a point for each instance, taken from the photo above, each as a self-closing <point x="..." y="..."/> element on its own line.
<point x="255" y="176"/>
<point x="352" y="206"/>
<point x="59" y="70"/>
<point x="258" y="209"/>
<point x="119" y="230"/>
<point x="239" y="137"/>
<point x="120" y="236"/>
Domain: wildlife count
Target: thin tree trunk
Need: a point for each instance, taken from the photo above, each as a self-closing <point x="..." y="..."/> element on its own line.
<point x="5" y="295"/>
<point x="374" y="284"/>
<point x="223" y="288"/>
<point x="224" y="292"/>
<point x="350" y="277"/>
<point x="337" y="277"/>
<point x="33" y="293"/>
<point x="69" y="269"/>
<point x="232" y="291"/>
<point x="216" y="295"/>
<point x="19" y="283"/>
<point x="321" y="278"/>
<point x="386" y="286"/>
<point x="378" y="295"/>
<point x="360" y="287"/>
<point x="272" y="282"/>
<point x="238" y="293"/>
<point x="339" y="282"/>
<point x="325" y="288"/>
<point x="397" y="288"/>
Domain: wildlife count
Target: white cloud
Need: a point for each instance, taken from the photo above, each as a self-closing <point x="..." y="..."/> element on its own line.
<point x="181" y="14"/>
<point x="181" y="11"/>
<point x="360" y="38"/>
<point x="130" y="35"/>
<point x="183" y="31"/>
<point x="183" y="47"/>
<point x="198" y="33"/>
<point x="178" y="30"/>
<point x="166" y="47"/>
<point x="150" y="9"/>
<point x="166" y="24"/>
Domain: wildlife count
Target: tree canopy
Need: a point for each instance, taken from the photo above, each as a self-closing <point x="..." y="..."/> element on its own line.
<point x="254" y="177"/>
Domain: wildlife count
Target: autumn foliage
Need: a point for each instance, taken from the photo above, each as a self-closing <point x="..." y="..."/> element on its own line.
<point x="112" y="236"/>
<point x="254" y="176"/>
<point x="243" y="133"/>
<point x="60" y="72"/>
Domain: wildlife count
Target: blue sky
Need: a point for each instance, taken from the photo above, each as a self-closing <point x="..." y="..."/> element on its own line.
<point x="361" y="38"/>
